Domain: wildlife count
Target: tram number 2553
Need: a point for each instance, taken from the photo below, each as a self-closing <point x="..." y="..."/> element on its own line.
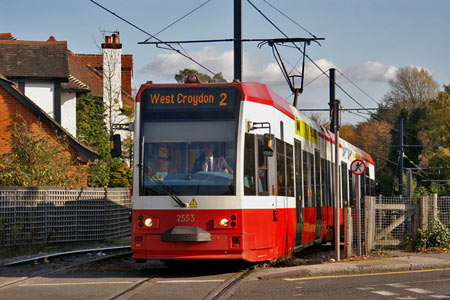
<point x="182" y="218"/>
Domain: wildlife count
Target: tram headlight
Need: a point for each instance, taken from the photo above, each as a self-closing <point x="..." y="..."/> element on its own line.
<point x="148" y="222"/>
<point x="224" y="222"/>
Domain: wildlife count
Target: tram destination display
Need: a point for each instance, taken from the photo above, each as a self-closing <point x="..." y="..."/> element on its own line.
<point x="190" y="99"/>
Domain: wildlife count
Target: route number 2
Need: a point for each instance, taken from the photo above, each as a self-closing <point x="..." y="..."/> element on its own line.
<point x="223" y="99"/>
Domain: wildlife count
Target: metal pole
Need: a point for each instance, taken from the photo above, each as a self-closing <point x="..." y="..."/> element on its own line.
<point x="408" y="184"/>
<point x="400" y="166"/>
<point x="332" y="97"/>
<point x="336" y="182"/>
<point x="358" y="215"/>
<point x="238" y="40"/>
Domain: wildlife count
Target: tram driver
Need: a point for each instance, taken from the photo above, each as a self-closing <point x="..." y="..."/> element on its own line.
<point x="209" y="162"/>
<point x="160" y="162"/>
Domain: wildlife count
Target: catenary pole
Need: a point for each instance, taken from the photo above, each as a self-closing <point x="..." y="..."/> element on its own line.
<point x="400" y="153"/>
<point x="334" y="127"/>
<point x="238" y="40"/>
<point x="336" y="181"/>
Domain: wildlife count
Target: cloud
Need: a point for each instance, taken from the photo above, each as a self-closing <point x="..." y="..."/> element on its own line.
<point x="168" y="64"/>
<point x="371" y="71"/>
<point x="254" y="69"/>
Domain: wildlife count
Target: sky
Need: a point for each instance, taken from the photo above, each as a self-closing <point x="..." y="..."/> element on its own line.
<point x="365" y="40"/>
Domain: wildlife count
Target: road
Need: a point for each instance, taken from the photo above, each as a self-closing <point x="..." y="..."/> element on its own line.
<point x="183" y="281"/>
<point x="205" y="280"/>
<point x="402" y="285"/>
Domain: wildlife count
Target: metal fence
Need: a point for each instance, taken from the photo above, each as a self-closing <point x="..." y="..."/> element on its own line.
<point x="438" y="212"/>
<point x="390" y="220"/>
<point x="358" y="231"/>
<point x="52" y="215"/>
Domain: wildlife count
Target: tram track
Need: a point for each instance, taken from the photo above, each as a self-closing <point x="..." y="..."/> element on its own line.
<point x="47" y="257"/>
<point x="224" y="291"/>
<point x="58" y="262"/>
<point x="216" y="280"/>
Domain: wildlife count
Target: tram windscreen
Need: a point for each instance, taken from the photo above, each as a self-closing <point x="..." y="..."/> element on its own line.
<point x="187" y="151"/>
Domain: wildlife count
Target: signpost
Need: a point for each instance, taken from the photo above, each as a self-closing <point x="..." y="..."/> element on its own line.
<point x="358" y="167"/>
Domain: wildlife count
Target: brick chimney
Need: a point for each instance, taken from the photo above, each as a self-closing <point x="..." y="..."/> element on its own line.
<point x="112" y="71"/>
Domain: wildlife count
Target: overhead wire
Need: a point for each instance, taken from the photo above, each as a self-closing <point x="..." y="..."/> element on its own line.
<point x="290" y="19"/>
<point x="169" y="47"/>
<point x="419" y="169"/>
<point x="324" y="73"/>
<point x="354" y="84"/>
<point x="320" y="75"/>
<point x="298" y="48"/>
<point x="354" y="113"/>
<point x="179" y="19"/>
<point x="314" y="63"/>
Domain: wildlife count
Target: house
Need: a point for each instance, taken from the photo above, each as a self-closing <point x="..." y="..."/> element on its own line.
<point x="13" y="101"/>
<point x="55" y="78"/>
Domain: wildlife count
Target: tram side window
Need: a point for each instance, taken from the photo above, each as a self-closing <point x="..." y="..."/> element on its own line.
<point x="332" y="185"/>
<point x="352" y="187"/>
<point x="362" y="187"/>
<point x="249" y="165"/>
<point x="318" y="170"/>
<point x="290" y="170"/>
<point x="372" y="187"/>
<point x="368" y="189"/>
<point x="308" y="178"/>
<point x="344" y="184"/>
<point x="323" y="172"/>
<point x="281" y="171"/>
<point x="263" y="185"/>
<point x="298" y="172"/>
<point x="370" y="184"/>
<point x="328" y="182"/>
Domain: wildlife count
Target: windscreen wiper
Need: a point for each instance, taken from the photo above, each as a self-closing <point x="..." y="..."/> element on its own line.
<point x="167" y="189"/>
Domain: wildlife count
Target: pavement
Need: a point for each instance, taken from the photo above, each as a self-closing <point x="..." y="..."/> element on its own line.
<point x="397" y="262"/>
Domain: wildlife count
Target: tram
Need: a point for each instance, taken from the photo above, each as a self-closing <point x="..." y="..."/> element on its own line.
<point x="232" y="171"/>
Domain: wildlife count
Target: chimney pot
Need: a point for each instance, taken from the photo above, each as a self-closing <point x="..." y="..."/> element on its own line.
<point x="107" y="39"/>
<point x="115" y="38"/>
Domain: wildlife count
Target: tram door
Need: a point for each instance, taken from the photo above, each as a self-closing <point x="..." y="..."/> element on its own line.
<point x="298" y="192"/>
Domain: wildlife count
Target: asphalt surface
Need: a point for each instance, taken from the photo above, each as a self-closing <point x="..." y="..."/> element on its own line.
<point x="401" y="261"/>
<point x="186" y="282"/>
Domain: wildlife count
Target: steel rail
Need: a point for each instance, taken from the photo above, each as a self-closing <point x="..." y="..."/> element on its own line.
<point x="67" y="253"/>
<point x="224" y="290"/>
<point x="21" y="280"/>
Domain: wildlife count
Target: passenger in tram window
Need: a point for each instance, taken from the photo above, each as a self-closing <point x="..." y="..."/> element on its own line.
<point x="161" y="162"/>
<point x="209" y="162"/>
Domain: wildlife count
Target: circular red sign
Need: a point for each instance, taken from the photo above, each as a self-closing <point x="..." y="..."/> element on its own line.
<point x="358" y="167"/>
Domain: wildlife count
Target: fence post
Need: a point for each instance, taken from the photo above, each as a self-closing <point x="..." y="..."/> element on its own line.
<point x="416" y="218"/>
<point x="423" y="222"/>
<point x="369" y="207"/>
<point x="435" y="208"/>
<point x="348" y="232"/>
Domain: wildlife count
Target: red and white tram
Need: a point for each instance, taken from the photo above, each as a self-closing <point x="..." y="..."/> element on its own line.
<point x="243" y="203"/>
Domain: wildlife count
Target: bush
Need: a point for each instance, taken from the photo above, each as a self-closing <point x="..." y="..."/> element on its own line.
<point x="37" y="160"/>
<point x="438" y="237"/>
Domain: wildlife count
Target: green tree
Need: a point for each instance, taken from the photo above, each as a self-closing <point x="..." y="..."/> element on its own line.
<point x="409" y="96"/>
<point x="92" y="130"/>
<point x="204" y="78"/>
<point x="91" y="127"/>
<point x="36" y="160"/>
<point x="436" y="131"/>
